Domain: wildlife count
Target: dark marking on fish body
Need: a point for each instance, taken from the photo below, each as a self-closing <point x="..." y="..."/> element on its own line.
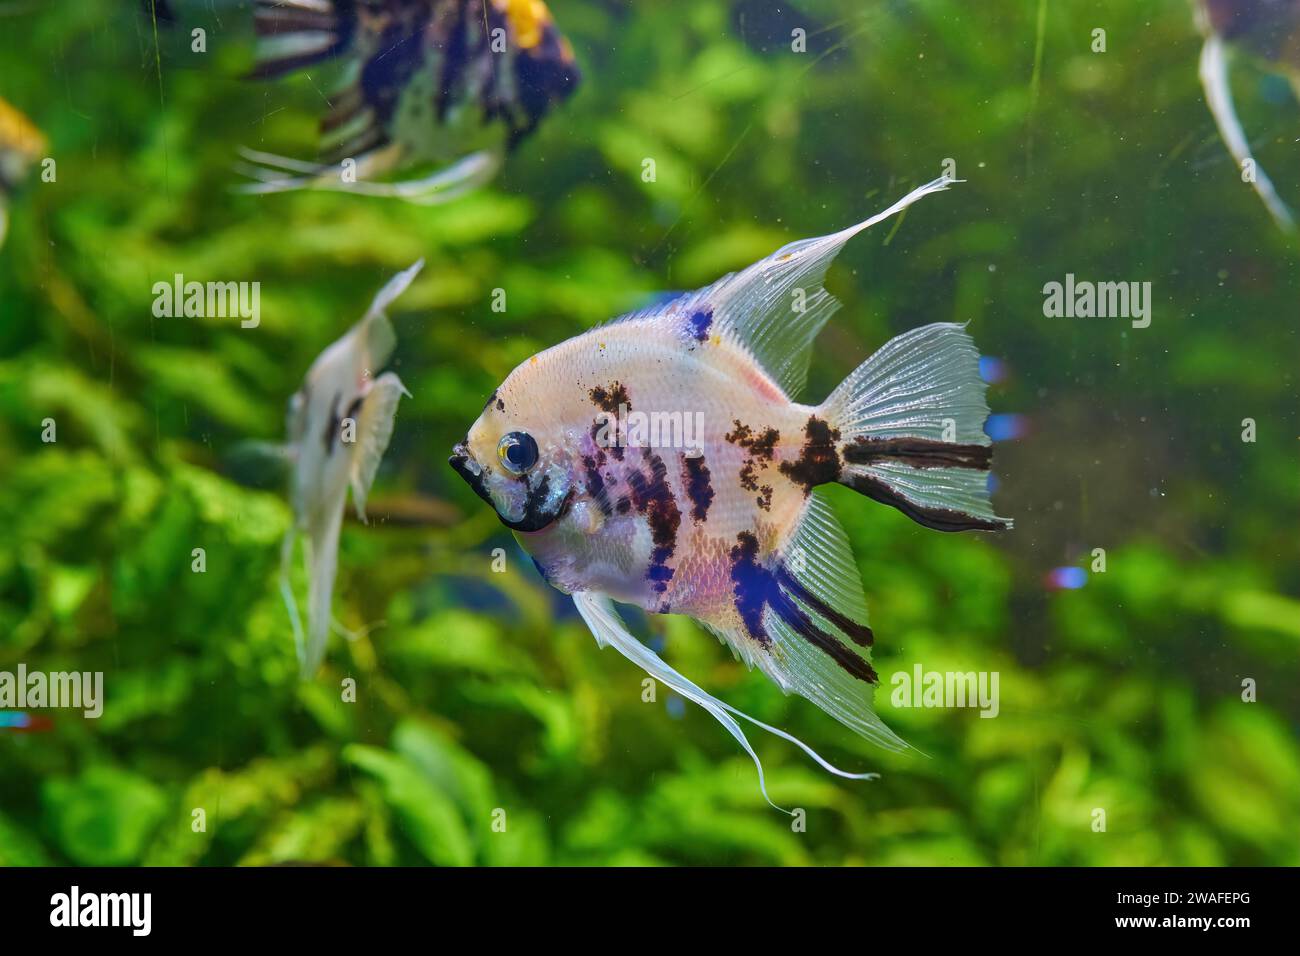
<point x="818" y="462"/>
<point x="332" y="426"/>
<point x="761" y="445"/>
<point x="491" y="399"/>
<point x="653" y="498"/>
<point x="624" y="505"/>
<point x="940" y="519"/>
<point x="765" y="497"/>
<point x="698" y="487"/>
<point x="353" y="408"/>
<point x="609" y="399"/>
<point x="752" y="582"/>
<point x="757" y="588"/>
<point x="595" y="483"/>
<point x="610" y="443"/>
<point x="918" y="452"/>
<point x="701" y="322"/>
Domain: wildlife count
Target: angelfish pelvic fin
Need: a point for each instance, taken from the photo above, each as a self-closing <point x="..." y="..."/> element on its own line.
<point x="607" y="627"/>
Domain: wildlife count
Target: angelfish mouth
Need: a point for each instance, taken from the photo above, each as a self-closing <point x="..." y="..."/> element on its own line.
<point x="535" y="517"/>
<point x="467" y="468"/>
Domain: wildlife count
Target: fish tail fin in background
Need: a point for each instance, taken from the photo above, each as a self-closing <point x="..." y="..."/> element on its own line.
<point x="295" y="33"/>
<point x="910" y="423"/>
<point x="1218" y="96"/>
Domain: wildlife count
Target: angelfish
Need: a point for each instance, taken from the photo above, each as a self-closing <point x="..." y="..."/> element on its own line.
<point x="339" y="424"/>
<point x="454" y="83"/>
<point x="733" y="530"/>
<point x="1270" y="31"/>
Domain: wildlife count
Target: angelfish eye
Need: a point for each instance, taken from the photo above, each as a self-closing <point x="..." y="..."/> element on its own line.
<point x="517" y="451"/>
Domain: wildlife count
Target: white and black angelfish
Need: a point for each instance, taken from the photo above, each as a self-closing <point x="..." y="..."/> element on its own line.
<point x="454" y="85"/>
<point x="576" y="451"/>
<point x="339" y="424"/>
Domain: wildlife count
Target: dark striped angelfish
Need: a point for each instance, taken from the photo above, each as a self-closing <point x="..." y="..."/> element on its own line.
<point x="1269" y="30"/>
<point x="660" y="460"/>
<point x="339" y="424"/>
<point x="453" y="84"/>
<point x="20" y="144"/>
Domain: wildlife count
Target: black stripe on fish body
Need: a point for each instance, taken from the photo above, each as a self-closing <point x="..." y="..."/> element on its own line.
<point x="332" y="426"/>
<point x="818" y="462"/>
<point x="595" y="483"/>
<point x="756" y="588"/>
<point x="860" y="634"/>
<point x="695" y="475"/>
<point x="940" y="519"/>
<point x="918" y="452"/>
<point x="752" y="584"/>
<point x="494" y="400"/>
<point x="654" y="498"/>
<point x="701" y="322"/>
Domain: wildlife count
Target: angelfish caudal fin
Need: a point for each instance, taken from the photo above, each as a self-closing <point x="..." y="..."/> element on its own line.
<point x="295" y="33"/>
<point x="906" y="428"/>
<point x="608" y="629"/>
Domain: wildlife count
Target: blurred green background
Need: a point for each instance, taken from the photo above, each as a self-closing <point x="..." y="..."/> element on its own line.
<point x="481" y="692"/>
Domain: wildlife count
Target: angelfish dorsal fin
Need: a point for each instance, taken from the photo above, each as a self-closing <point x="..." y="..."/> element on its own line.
<point x="380" y="339"/>
<point x="776" y="307"/>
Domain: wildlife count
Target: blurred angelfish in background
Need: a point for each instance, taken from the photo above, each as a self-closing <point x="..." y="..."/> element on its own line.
<point x="20" y="143"/>
<point x="453" y="83"/>
<point x="339" y="424"/>
<point x="1269" y="30"/>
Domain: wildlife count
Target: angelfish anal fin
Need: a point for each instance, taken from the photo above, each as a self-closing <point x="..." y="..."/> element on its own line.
<point x="374" y="429"/>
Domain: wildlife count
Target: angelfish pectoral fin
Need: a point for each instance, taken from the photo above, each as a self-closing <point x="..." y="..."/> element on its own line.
<point x="607" y="627"/>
